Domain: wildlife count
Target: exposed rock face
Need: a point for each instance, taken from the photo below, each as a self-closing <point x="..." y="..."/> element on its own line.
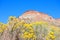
<point x="37" y="16"/>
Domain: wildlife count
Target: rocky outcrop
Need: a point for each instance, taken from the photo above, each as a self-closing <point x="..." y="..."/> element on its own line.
<point x="37" y="16"/>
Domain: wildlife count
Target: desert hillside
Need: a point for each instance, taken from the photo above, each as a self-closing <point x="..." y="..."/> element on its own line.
<point x="32" y="25"/>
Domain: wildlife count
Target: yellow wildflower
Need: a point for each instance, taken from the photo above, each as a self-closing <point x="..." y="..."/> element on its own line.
<point x="51" y="32"/>
<point x="30" y="35"/>
<point x="31" y="30"/>
<point x="51" y="35"/>
<point x="47" y="38"/>
<point x="4" y="27"/>
<point x="1" y="30"/>
<point x="25" y="36"/>
<point x="25" y="33"/>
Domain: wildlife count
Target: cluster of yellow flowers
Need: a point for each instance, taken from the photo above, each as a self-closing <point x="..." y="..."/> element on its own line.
<point x="32" y="31"/>
<point x="28" y="32"/>
<point x="50" y="36"/>
<point x="3" y="27"/>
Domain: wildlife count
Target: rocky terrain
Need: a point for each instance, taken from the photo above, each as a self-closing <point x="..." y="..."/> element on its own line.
<point x="37" y="16"/>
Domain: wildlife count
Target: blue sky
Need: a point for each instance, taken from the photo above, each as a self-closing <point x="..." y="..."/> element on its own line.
<point x="18" y="7"/>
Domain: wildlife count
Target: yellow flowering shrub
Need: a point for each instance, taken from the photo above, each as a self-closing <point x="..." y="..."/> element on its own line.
<point x="28" y="32"/>
<point x="3" y="27"/>
<point x="50" y="36"/>
<point x="20" y="30"/>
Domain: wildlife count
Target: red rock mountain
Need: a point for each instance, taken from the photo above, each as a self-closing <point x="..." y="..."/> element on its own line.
<point x="37" y="16"/>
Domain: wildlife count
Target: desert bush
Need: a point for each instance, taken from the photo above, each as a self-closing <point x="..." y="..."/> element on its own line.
<point x="17" y="29"/>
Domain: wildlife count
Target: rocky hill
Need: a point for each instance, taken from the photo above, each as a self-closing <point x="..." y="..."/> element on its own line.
<point x="34" y="16"/>
<point x="32" y="25"/>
